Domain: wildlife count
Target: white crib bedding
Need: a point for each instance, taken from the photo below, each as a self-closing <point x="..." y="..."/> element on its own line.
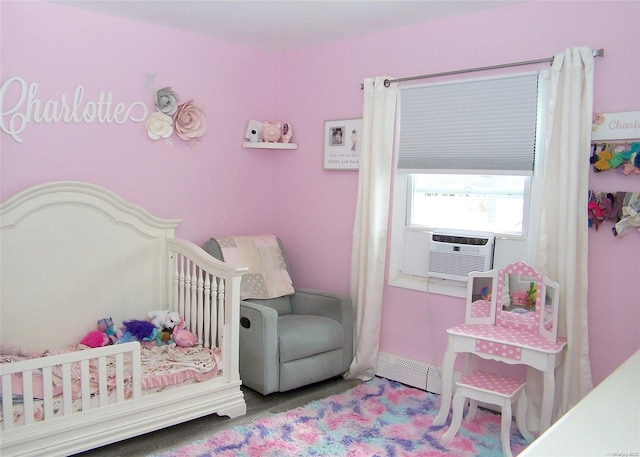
<point x="163" y="367"/>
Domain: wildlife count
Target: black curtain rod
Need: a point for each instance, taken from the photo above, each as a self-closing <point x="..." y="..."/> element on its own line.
<point x="387" y="82"/>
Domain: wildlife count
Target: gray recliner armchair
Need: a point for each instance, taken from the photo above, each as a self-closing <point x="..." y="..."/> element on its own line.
<point x="293" y="340"/>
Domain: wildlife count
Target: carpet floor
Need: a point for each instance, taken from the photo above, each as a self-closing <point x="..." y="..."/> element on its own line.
<point x="376" y="418"/>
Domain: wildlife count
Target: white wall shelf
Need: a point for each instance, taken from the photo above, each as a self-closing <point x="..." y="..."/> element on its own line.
<point x="264" y="145"/>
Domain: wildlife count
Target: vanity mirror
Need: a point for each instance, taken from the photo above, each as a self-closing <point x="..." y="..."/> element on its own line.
<point x="481" y="303"/>
<point x="516" y="297"/>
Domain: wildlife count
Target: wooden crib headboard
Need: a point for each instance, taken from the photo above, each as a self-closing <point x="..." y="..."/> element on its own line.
<point x="72" y="253"/>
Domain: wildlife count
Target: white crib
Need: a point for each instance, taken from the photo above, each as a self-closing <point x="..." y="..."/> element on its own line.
<point x="72" y="253"/>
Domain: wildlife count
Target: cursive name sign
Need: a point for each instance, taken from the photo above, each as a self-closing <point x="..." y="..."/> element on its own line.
<point x="29" y="108"/>
<point x="616" y="126"/>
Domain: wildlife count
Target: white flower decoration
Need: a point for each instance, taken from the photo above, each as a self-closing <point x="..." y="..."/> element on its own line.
<point x="159" y="125"/>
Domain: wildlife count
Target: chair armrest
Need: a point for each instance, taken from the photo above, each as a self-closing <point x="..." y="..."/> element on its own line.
<point x="332" y="305"/>
<point x="259" y="360"/>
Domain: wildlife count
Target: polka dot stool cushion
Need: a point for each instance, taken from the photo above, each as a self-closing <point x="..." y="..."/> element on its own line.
<point x="494" y="389"/>
<point x="491" y="382"/>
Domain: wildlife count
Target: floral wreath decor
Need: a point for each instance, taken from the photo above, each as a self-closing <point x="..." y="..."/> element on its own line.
<point x="188" y="120"/>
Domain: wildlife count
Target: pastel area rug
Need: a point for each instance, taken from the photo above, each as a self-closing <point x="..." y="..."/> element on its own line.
<point x="376" y="418"/>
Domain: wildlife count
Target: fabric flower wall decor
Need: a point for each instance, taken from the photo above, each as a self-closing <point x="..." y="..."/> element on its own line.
<point x="159" y="125"/>
<point x="188" y="120"/>
<point x="167" y="101"/>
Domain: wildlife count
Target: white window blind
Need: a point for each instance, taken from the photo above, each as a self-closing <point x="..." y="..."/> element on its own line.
<point x="480" y="126"/>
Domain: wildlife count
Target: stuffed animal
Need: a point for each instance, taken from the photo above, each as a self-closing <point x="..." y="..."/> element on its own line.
<point x="160" y="337"/>
<point x="126" y="337"/>
<point x="137" y="330"/>
<point x="172" y="320"/>
<point x="105" y="334"/>
<point x="164" y="319"/>
<point x="95" y="339"/>
<point x="107" y="326"/>
<point x="183" y="337"/>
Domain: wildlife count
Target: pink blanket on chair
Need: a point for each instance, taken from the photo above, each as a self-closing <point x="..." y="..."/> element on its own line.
<point x="267" y="276"/>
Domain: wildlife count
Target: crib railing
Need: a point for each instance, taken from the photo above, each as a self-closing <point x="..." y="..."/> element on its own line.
<point x="29" y="381"/>
<point x="205" y="291"/>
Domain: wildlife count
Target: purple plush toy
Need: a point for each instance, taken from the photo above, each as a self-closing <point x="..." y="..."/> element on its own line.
<point x="139" y="329"/>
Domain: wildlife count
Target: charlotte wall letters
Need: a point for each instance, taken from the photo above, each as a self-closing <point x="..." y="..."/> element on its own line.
<point x="28" y="108"/>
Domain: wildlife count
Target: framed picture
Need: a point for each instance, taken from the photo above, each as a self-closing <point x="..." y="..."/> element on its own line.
<point x="342" y="144"/>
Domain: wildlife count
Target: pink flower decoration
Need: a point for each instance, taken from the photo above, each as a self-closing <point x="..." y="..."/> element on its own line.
<point x="597" y="119"/>
<point x="190" y="122"/>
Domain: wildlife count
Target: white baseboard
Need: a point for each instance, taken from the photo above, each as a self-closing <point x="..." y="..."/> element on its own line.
<point x="410" y="372"/>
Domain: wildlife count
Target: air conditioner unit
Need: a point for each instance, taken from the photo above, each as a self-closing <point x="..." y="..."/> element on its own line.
<point x="455" y="256"/>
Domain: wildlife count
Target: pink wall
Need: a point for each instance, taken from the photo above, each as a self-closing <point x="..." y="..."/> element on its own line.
<point x="323" y="82"/>
<point x="220" y="188"/>
<point x="60" y="47"/>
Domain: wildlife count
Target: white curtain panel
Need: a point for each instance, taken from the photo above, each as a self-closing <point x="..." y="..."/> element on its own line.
<point x="370" y="227"/>
<point x="562" y="251"/>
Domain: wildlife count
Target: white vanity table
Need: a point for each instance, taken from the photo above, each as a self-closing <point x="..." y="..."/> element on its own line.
<point x="511" y="316"/>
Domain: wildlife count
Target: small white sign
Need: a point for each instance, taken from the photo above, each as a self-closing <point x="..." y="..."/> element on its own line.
<point x="616" y="126"/>
<point x="342" y="144"/>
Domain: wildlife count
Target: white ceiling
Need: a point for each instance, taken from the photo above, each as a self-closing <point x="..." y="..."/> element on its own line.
<point x="282" y="25"/>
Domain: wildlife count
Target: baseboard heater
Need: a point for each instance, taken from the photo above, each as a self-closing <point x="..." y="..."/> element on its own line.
<point x="416" y="374"/>
<point x="410" y="372"/>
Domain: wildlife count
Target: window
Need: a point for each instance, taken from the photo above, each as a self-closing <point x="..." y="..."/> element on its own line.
<point x="477" y="203"/>
<point x="468" y="162"/>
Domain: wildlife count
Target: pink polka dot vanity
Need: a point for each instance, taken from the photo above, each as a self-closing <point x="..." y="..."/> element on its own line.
<point x="511" y="316"/>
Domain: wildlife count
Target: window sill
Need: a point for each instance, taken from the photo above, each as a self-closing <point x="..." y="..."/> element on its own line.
<point x="432" y="285"/>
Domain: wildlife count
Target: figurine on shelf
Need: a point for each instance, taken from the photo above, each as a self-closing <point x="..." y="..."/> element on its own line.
<point x="271" y="131"/>
<point x="287" y="132"/>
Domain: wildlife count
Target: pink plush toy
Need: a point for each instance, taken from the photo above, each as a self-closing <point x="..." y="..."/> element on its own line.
<point x="95" y="339"/>
<point x="183" y="337"/>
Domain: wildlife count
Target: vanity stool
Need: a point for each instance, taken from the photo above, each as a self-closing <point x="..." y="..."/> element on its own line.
<point x="496" y="390"/>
